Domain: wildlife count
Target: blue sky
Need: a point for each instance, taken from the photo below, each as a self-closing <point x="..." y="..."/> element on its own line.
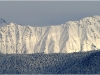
<point x="46" y="13"/>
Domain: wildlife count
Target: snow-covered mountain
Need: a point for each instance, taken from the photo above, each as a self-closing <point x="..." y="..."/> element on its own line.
<point x="73" y="36"/>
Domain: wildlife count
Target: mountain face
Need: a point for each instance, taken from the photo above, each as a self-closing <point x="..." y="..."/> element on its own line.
<point x="73" y="36"/>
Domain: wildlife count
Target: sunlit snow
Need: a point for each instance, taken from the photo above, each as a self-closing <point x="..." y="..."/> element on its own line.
<point x="73" y="36"/>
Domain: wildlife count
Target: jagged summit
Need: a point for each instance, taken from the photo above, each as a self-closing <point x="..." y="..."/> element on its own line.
<point x="2" y="21"/>
<point x="73" y="36"/>
<point x="83" y="19"/>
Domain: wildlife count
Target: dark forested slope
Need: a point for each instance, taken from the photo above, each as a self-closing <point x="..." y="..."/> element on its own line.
<point x="81" y="62"/>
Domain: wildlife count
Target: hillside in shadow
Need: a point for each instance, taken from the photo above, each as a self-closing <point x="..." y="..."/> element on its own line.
<point x="39" y="63"/>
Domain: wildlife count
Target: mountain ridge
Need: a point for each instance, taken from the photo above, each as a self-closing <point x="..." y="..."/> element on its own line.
<point x="73" y="36"/>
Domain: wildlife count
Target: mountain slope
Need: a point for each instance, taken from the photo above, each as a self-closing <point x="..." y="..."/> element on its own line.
<point x="56" y="63"/>
<point x="73" y="36"/>
<point x="89" y="64"/>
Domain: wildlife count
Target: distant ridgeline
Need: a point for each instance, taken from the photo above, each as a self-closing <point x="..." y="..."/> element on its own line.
<point x="2" y="21"/>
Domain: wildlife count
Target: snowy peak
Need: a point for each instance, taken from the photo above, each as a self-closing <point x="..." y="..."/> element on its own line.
<point x="73" y="36"/>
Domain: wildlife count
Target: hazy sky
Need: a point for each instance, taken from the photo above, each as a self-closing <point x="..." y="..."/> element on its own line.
<point x="44" y="13"/>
